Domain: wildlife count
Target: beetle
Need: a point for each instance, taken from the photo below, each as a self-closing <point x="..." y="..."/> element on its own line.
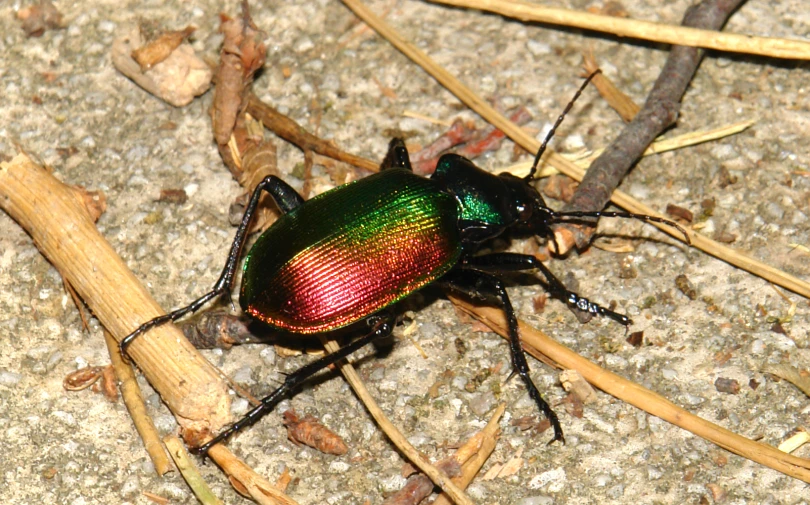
<point x="344" y="257"/>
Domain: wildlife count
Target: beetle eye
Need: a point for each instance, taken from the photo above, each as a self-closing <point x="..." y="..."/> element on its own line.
<point x="524" y="212"/>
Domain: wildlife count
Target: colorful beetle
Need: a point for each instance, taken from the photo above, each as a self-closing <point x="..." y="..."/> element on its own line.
<point x="345" y="256"/>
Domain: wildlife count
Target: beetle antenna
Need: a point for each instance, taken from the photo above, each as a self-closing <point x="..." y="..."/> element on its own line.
<point x="569" y="216"/>
<point x="553" y="130"/>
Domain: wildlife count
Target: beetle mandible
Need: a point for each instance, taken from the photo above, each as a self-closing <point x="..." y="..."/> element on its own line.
<point x="344" y="257"/>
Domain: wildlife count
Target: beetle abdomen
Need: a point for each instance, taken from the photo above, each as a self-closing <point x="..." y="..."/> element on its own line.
<point x="350" y="252"/>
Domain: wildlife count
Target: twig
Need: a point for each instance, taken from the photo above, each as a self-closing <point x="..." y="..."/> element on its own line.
<point x="62" y="230"/>
<point x="658" y="113"/>
<point x="189" y="471"/>
<point x="466" y="462"/>
<point x="615" y="97"/>
<point x="245" y="480"/>
<point x="133" y="400"/>
<point x="644" y="30"/>
<point x="474" y="453"/>
<point x="583" y="161"/>
<point x="536" y="342"/>
<point x="531" y="144"/>
<point x="64" y="233"/>
<point x="401" y="443"/>
<point x="292" y="132"/>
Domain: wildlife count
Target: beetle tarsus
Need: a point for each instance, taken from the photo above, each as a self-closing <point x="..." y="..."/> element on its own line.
<point x="484" y="286"/>
<point x="381" y="326"/>
<point x="285" y="197"/>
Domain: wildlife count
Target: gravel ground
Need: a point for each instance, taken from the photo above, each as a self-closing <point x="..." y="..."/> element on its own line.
<point x="63" y="101"/>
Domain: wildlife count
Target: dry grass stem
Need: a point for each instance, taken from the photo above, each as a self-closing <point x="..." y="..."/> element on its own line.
<point x="474" y="453"/>
<point x="793" y="443"/>
<point x="536" y="342"/>
<point x="437" y="476"/>
<point x="189" y="472"/>
<point x="660" y="146"/>
<point x="643" y="30"/>
<point x="245" y="480"/>
<point x="136" y="407"/>
<point x="531" y="144"/>
<point x="621" y="103"/>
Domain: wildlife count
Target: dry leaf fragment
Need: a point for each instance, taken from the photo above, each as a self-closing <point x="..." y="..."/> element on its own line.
<point x="795" y="441"/>
<point x="170" y="195"/>
<point x="109" y="386"/>
<point x="309" y="431"/>
<point x="39" y="17"/>
<point x="573" y="405"/>
<point x="177" y="79"/>
<point x="573" y="382"/>
<point x="242" y="55"/>
<point x="680" y="212"/>
<point x="284" y="480"/>
<point x="157" y="50"/>
<point x="82" y="378"/>
<point x="725" y="385"/>
<point x="636" y="338"/>
<point x="790" y="374"/>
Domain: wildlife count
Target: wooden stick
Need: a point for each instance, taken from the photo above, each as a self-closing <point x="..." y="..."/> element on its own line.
<point x="245" y="480"/>
<point x="63" y="231"/>
<point x="189" y="471"/>
<point x="531" y="144"/>
<point x="136" y="407"/>
<point x="474" y="453"/>
<point x="292" y="132"/>
<point x="437" y="476"/>
<point x="535" y="341"/>
<point x="644" y="30"/>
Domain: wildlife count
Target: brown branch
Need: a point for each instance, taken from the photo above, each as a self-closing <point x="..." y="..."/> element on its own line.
<point x="51" y="212"/>
<point x="658" y="113"/>
<point x="133" y="400"/>
<point x="62" y="230"/>
<point x="292" y="132"/>
<point x="537" y="343"/>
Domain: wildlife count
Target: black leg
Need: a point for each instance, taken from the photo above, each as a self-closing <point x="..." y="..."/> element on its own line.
<point x="381" y="327"/>
<point x="488" y="288"/>
<point x="511" y="262"/>
<point x="285" y="197"/>
<point x="397" y="156"/>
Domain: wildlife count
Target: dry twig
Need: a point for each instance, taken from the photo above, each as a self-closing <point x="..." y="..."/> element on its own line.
<point x="189" y="471"/>
<point x="644" y="30"/>
<point x="537" y="343"/>
<point x="136" y="407"/>
<point x="393" y="433"/>
<point x="658" y="113"/>
<point x="52" y="214"/>
<point x="531" y="144"/>
<point x="292" y="132"/>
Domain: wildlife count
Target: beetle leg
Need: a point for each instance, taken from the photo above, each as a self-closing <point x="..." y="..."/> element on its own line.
<point x="397" y="156"/>
<point x="285" y="197"/>
<point x="511" y="262"/>
<point x="381" y="327"/>
<point x="483" y="286"/>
